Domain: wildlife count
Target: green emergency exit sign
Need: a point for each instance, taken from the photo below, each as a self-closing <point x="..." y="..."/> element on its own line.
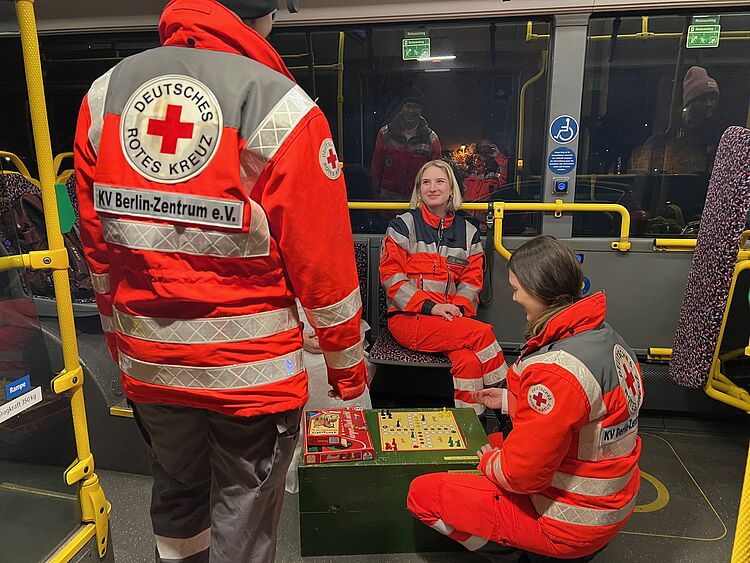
<point x="705" y="32"/>
<point x="416" y="48"/>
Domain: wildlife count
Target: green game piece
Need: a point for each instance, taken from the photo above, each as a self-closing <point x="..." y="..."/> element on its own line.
<point x="458" y="443"/>
<point x="450" y="442"/>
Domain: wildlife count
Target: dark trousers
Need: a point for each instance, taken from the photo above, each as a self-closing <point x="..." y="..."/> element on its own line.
<point x="218" y="482"/>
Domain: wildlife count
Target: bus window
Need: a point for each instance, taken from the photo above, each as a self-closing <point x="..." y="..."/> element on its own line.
<point x="653" y="112"/>
<point x="458" y="99"/>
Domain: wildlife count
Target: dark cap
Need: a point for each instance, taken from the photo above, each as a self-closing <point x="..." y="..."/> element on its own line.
<point x="414" y="95"/>
<point x="250" y="9"/>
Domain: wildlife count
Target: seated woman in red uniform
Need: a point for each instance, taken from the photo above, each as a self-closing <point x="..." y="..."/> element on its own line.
<point x="564" y="481"/>
<point x="431" y="268"/>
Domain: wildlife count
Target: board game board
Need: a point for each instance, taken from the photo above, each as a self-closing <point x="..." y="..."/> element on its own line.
<point x="419" y="431"/>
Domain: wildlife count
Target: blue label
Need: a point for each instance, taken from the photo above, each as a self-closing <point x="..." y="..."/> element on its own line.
<point x="586" y="286"/>
<point x="17" y="387"/>
<point x="562" y="160"/>
<point x="564" y="129"/>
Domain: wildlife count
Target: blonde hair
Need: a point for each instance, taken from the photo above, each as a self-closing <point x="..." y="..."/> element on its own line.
<point x="455" y="201"/>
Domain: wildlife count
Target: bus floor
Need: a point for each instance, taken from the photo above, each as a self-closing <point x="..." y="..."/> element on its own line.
<point x="686" y="509"/>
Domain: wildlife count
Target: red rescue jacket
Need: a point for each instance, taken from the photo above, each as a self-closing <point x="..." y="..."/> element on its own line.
<point x="427" y="260"/>
<point x="574" y="396"/>
<point x="203" y="171"/>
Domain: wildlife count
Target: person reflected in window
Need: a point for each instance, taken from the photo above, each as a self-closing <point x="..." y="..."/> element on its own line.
<point x="403" y="146"/>
<point x="488" y="171"/>
<point x="686" y="151"/>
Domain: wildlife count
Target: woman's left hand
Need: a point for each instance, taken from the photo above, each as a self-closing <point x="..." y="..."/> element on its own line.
<point x="484" y="449"/>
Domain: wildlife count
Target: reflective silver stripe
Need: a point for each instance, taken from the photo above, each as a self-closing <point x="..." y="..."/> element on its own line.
<point x="494" y="377"/>
<point x="188" y="240"/>
<point x="404" y="295"/>
<point x="182" y="548"/>
<point x="100" y="283"/>
<point x="96" y="97"/>
<point x="336" y="314"/>
<point x="443" y="528"/>
<point x="393" y="280"/>
<point x="345" y="358"/>
<point x="474" y="543"/>
<point x="476" y="249"/>
<point x="413" y="246"/>
<point x="486" y="354"/>
<point x="233" y="376"/>
<point x="437" y="286"/>
<point x="207" y="331"/>
<point x="398" y="238"/>
<point x="619" y="448"/>
<point x="469" y="292"/>
<point x="563" y="512"/>
<point x="590" y="486"/>
<point x="479" y="409"/>
<point x="108" y="323"/>
<point x="460" y="384"/>
<point x="578" y="369"/>
<point x="273" y="131"/>
<point x="499" y="475"/>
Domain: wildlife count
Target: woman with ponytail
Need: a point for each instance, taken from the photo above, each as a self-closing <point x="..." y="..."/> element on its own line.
<point x="564" y="481"/>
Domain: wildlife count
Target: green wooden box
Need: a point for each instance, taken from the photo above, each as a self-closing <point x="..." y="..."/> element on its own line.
<point x="360" y="507"/>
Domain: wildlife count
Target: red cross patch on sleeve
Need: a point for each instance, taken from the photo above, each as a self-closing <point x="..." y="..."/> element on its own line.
<point x="541" y="399"/>
<point x="329" y="160"/>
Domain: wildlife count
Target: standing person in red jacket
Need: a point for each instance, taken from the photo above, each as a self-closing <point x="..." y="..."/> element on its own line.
<point x="403" y="146"/>
<point x="203" y="171"/>
<point x="488" y="172"/>
<point x="431" y="269"/>
<point x="565" y="480"/>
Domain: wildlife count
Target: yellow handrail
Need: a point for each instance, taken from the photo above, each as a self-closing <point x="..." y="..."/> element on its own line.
<point x="62" y="178"/>
<point x="558" y="207"/>
<point x="522" y="118"/>
<point x="642" y="35"/>
<point x="94" y="506"/>
<point x="675" y="244"/>
<point x="20" y="166"/>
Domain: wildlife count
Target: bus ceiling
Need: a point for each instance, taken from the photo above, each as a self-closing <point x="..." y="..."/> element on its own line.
<point x="94" y="15"/>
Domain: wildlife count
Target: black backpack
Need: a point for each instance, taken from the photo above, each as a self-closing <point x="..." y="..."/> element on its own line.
<point x="22" y="219"/>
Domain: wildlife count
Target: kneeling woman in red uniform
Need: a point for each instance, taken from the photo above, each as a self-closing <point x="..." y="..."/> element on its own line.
<point x="431" y="269"/>
<point x="564" y="481"/>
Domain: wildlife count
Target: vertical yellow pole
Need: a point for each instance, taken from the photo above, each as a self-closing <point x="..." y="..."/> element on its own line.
<point x="741" y="551"/>
<point x="94" y="506"/>
<point x="30" y="43"/>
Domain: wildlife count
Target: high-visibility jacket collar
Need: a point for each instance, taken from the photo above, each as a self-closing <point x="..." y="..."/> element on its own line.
<point x="584" y="315"/>
<point x="433" y="220"/>
<point x="205" y="24"/>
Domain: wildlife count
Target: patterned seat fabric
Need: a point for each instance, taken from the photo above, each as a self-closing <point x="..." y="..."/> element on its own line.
<point x="710" y="278"/>
<point x="361" y="257"/>
<point x="387" y="351"/>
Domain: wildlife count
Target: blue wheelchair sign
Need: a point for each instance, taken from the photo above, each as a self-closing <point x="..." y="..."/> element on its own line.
<point x="564" y="129"/>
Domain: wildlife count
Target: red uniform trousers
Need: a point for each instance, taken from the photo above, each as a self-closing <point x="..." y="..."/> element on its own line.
<point x="482" y="517"/>
<point x="477" y="358"/>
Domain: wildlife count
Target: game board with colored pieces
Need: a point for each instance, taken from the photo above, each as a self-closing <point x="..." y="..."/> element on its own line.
<point x="411" y="431"/>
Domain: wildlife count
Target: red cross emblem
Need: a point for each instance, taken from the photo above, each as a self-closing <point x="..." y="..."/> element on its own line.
<point x="629" y="379"/>
<point x="332" y="158"/>
<point x="170" y="129"/>
<point x="539" y="399"/>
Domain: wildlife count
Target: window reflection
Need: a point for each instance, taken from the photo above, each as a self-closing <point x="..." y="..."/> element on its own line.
<point x="462" y="104"/>
<point x="653" y="114"/>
